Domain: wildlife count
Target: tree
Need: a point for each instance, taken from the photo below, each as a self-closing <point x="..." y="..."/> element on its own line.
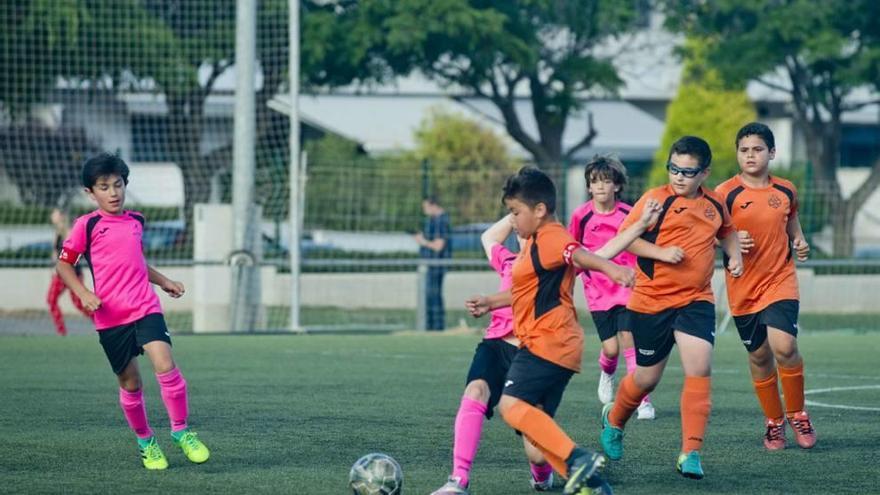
<point x="820" y="54"/>
<point x="466" y="163"/>
<point x="500" y="51"/>
<point x="704" y="107"/>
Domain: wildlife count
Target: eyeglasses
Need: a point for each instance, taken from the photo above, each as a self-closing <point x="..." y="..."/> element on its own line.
<point x="690" y="173"/>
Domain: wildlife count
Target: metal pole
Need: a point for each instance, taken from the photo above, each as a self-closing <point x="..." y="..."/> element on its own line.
<point x="243" y="162"/>
<point x="295" y="191"/>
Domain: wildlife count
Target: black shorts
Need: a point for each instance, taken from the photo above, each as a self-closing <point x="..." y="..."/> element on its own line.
<point x="123" y="343"/>
<point x="609" y="322"/>
<point x="653" y="333"/>
<point x="537" y="381"/>
<point x="752" y="328"/>
<point x="491" y="361"/>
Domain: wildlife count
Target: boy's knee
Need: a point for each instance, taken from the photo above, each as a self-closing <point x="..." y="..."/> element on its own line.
<point x="478" y="390"/>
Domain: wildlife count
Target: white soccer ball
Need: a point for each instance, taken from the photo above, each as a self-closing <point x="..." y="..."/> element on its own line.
<point x="376" y="474"/>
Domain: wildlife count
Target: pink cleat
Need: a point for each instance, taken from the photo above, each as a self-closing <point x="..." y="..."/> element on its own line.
<point x="804" y="433"/>
<point x="774" y="438"/>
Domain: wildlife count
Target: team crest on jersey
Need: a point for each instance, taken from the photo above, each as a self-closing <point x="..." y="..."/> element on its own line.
<point x="774" y="201"/>
<point x="710" y="213"/>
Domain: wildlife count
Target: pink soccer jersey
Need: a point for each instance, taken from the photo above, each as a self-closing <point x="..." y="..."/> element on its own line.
<point x="502" y="261"/>
<point x="112" y="244"/>
<point x="594" y="230"/>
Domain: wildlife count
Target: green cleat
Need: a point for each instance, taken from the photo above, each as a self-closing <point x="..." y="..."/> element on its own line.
<point x="191" y="446"/>
<point x="151" y="454"/>
<point x="612" y="437"/>
<point x="689" y="465"/>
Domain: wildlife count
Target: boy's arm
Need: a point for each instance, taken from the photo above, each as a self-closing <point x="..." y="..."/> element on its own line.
<point x="585" y="260"/>
<point x="496" y="234"/>
<point x="798" y="241"/>
<point x="650" y="214"/>
<point x="479" y="305"/>
<point x="171" y="287"/>
<point x="730" y="245"/>
<point x="68" y="275"/>
<point x="645" y="249"/>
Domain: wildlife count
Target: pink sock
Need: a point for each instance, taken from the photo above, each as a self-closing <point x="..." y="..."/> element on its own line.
<point x="608" y="365"/>
<point x="630" y="356"/>
<point x="468" y="428"/>
<point x="540" y="472"/>
<point x="135" y="413"/>
<point x="173" y="388"/>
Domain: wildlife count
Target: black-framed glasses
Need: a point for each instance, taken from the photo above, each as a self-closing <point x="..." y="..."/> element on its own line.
<point x="690" y="173"/>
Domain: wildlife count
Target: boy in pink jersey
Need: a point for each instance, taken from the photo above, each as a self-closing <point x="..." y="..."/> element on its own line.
<point x="124" y="307"/>
<point x="593" y="224"/>
<point x="485" y="380"/>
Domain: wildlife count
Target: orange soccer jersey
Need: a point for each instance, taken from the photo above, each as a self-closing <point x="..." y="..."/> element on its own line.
<point x="691" y="224"/>
<point x="544" y="316"/>
<point x="768" y="269"/>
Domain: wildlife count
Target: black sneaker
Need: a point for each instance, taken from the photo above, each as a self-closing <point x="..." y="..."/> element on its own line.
<point x="583" y="472"/>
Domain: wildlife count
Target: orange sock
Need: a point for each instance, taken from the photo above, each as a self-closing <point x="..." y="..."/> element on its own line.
<point x="543" y="432"/>
<point x="767" y="391"/>
<point x="696" y="404"/>
<point x="628" y="398"/>
<point x="793" y="388"/>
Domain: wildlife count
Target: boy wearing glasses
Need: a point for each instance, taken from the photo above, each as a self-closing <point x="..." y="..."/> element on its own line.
<point x="764" y="302"/>
<point x="673" y="303"/>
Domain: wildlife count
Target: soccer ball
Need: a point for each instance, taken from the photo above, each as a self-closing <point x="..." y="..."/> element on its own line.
<point x="376" y="474"/>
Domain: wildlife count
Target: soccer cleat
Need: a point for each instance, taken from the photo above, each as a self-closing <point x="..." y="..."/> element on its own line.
<point x="542" y="486"/>
<point x="453" y="486"/>
<point x="804" y="433"/>
<point x="646" y="410"/>
<point x="191" y="446"/>
<point x="152" y="455"/>
<point x="774" y="438"/>
<point x="689" y="465"/>
<point x="612" y="437"/>
<point x="583" y="471"/>
<point x="606" y="387"/>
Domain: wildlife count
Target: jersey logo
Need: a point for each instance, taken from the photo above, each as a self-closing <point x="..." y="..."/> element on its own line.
<point x="774" y="201"/>
<point x="594" y="228"/>
<point x="102" y="231"/>
<point x="680" y="209"/>
<point x="710" y="213"/>
<point x="745" y="205"/>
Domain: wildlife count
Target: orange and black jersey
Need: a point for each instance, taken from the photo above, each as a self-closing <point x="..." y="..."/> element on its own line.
<point x="543" y="312"/>
<point x="769" y="273"/>
<point x="691" y="224"/>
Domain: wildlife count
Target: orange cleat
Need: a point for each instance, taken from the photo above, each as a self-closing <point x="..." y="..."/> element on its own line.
<point x="774" y="438"/>
<point x="804" y="433"/>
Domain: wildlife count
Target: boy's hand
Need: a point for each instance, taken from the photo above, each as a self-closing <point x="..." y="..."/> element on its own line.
<point x="746" y="243"/>
<point x="621" y="275"/>
<point x="650" y="213"/>
<point x="735" y="266"/>
<point x="477" y="306"/>
<point x="90" y="301"/>
<point x="420" y="238"/>
<point x="672" y="254"/>
<point x="801" y="248"/>
<point x="173" y="288"/>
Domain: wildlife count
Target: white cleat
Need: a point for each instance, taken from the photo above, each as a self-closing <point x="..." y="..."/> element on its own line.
<point x="646" y="410"/>
<point x="606" y="388"/>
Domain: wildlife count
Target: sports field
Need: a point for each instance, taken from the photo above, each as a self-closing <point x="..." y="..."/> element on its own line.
<point x="289" y="414"/>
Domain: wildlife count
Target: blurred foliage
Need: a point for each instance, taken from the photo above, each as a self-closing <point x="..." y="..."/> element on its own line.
<point x="704" y="107"/>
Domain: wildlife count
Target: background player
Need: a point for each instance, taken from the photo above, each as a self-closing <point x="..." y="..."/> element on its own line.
<point x="764" y="301"/>
<point x="125" y="309"/>
<point x="593" y="224"/>
<point x="56" y="285"/>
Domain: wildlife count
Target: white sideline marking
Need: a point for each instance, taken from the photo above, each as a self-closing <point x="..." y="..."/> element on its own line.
<point x="840" y="389"/>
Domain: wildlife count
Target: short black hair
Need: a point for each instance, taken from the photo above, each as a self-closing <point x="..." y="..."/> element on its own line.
<point x="531" y="186"/>
<point x="757" y="129"/>
<point x="432" y="199"/>
<point x="694" y="146"/>
<point x="101" y="165"/>
<point x="606" y="167"/>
